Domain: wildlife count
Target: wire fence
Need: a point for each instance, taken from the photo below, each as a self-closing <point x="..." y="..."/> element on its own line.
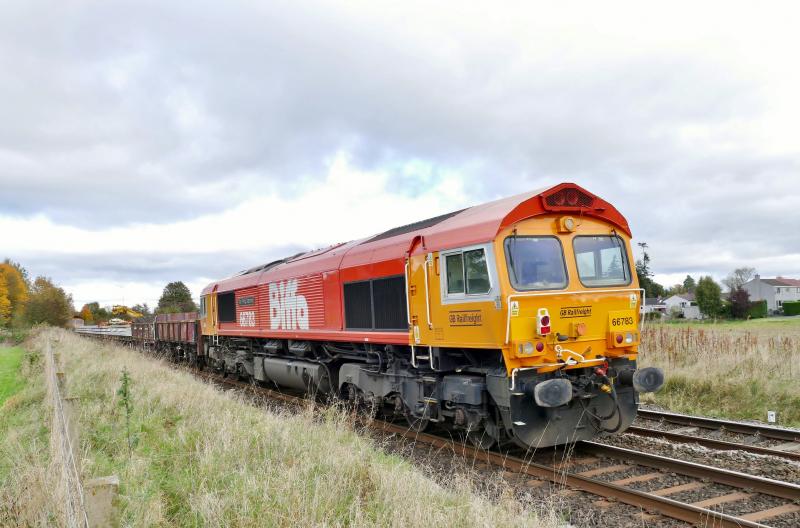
<point x="63" y="450"/>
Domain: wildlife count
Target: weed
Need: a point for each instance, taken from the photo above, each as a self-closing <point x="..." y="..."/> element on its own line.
<point x="124" y="393"/>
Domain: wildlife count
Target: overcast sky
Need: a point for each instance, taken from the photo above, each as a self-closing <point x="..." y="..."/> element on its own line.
<point x="146" y="142"/>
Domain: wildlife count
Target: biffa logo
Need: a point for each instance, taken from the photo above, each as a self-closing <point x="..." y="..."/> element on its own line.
<point x="287" y="310"/>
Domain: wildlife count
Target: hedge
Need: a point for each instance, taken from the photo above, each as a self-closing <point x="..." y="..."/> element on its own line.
<point x="791" y="308"/>
<point x="757" y="309"/>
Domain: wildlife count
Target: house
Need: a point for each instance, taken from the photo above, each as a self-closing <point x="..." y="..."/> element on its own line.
<point x="654" y="305"/>
<point x="683" y="304"/>
<point x="775" y="291"/>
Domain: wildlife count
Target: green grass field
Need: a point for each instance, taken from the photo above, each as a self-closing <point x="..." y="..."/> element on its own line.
<point x="10" y="380"/>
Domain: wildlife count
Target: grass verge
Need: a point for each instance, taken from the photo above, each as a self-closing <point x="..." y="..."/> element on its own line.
<point x="728" y="370"/>
<point x="26" y="497"/>
<point x="10" y="379"/>
<point x="201" y="456"/>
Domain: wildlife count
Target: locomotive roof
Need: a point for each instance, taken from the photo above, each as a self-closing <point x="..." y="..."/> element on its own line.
<point x="473" y="225"/>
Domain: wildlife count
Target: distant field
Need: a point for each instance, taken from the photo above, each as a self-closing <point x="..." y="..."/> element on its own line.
<point x="202" y="456"/>
<point x="729" y="369"/>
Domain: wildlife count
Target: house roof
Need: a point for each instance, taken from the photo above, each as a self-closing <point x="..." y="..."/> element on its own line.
<point x="780" y="282"/>
<point x="684" y="296"/>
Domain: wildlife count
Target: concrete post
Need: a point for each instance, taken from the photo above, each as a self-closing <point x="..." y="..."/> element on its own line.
<point x="99" y="494"/>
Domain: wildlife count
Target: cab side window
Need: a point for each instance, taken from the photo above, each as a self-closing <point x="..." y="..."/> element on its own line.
<point x="455" y="273"/>
<point x="467" y="273"/>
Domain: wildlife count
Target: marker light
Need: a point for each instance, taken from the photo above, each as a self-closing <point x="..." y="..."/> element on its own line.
<point x="539" y="346"/>
<point x="619" y="339"/>
<point x="542" y="322"/>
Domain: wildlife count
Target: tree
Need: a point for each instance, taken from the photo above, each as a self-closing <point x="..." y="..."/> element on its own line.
<point x="676" y="289"/>
<point x="17" y="285"/>
<point x="708" y="296"/>
<point x="651" y="288"/>
<point x="688" y="284"/>
<point x="48" y="304"/>
<point x="740" y="303"/>
<point x="141" y="308"/>
<point x="99" y="315"/>
<point x="86" y="314"/>
<point x="5" y="303"/>
<point x="176" y="298"/>
<point x="738" y="278"/>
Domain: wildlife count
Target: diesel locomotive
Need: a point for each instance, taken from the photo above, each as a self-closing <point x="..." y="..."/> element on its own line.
<point x="515" y="321"/>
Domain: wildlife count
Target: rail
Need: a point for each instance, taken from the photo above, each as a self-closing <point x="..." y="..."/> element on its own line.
<point x="712" y="443"/>
<point x="764" y="431"/>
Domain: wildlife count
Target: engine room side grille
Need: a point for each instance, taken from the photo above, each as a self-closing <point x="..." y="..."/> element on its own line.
<point x="377" y="304"/>
<point x="389" y="303"/>
<point x="226" y="307"/>
<point x="358" y="305"/>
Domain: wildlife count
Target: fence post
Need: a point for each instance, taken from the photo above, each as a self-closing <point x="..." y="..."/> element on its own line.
<point x="100" y="494"/>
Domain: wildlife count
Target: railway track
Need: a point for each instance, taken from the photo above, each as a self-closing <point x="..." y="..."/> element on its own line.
<point x="689" y="426"/>
<point x="592" y="463"/>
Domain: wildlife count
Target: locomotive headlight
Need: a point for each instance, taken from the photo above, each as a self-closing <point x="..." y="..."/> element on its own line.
<point x="629" y="337"/>
<point x="566" y="224"/>
<point x="527" y="348"/>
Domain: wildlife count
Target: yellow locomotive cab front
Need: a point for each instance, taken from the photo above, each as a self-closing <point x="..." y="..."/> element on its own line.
<point x="573" y="301"/>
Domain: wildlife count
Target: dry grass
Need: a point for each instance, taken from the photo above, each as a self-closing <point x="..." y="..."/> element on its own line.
<point x="734" y="370"/>
<point x="205" y="457"/>
<point x="27" y="496"/>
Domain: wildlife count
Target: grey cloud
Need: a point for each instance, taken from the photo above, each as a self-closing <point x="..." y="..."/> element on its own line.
<point x="143" y="111"/>
<point x="131" y="112"/>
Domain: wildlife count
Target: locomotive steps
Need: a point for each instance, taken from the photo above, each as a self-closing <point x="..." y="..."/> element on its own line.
<point x="202" y="455"/>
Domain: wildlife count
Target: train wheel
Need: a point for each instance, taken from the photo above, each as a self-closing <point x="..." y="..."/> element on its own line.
<point x="417" y="424"/>
<point x="481" y="439"/>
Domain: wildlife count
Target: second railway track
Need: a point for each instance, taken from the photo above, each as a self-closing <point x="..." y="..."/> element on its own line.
<point x="690" y="428"/>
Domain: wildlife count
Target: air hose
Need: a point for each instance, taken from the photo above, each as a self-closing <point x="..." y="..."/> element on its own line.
<point x="601" y="419"/>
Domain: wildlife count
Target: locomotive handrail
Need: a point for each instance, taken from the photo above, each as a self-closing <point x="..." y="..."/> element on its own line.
<point x="427" y="295"/>
<point x="408" y="300"/>
<point x="549" y="293"/>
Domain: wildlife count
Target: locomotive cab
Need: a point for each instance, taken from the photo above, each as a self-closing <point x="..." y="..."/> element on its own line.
<point x="572" y="329"/>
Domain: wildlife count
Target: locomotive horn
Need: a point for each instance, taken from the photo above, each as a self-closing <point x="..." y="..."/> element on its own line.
<point x="553" y="393"/>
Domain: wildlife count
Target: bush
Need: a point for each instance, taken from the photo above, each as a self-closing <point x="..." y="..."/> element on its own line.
<point x="758" y="309"/>
<point x="791" y="308"/>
